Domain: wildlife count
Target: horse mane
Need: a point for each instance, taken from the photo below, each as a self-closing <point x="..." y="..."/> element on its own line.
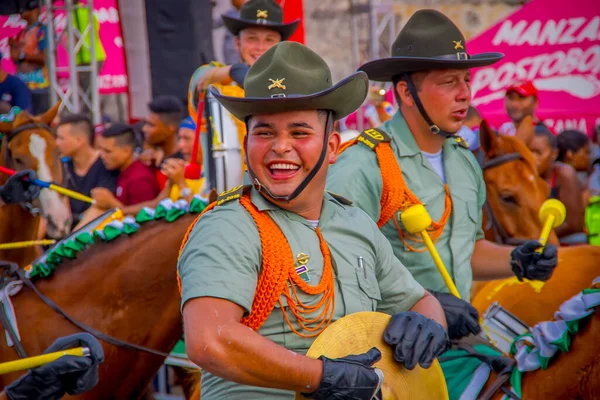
<point x="80" y="246"/>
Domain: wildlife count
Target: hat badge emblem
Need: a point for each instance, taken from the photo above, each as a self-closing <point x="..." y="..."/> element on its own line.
<point x="277" y="84"/>
<point x="262" y="14"/>
<point x="458" y="45"/>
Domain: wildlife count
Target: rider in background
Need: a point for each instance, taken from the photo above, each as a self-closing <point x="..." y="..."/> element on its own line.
<point x="561" y="178"/>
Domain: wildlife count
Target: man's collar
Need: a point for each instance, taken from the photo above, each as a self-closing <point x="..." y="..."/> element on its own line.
<point x="405" y="139"/>
<point x="402" y="135"/>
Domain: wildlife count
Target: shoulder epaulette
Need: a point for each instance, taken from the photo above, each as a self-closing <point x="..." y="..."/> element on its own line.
<point x="340" y="198"/>
<point x="461" y="142"/>
<point x="232" y="194"/>
<point x="372" y="137"/>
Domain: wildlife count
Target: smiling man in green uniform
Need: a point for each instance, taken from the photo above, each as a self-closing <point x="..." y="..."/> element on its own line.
<point x="269" y="267"/>
<point x="416" y="157"/>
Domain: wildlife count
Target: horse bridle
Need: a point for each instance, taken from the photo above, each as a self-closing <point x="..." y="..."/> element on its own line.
<point x="500" y="235"/>
<point x="12" y="272"/>
<point x="8" y="156"/>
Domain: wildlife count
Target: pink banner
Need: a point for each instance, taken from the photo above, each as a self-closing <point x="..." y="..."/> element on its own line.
<point x="555" y="45"/>
<point x="112" y="78"/>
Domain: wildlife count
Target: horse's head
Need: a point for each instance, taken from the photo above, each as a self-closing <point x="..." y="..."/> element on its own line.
<point x="515" y="191"/>
<point x="29" y="144"/>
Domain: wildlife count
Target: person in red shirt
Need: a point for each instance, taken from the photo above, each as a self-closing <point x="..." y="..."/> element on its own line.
<point x="136" y="182"/>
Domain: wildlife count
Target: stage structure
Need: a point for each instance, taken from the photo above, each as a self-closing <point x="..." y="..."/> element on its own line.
<point x="75" y="98"/>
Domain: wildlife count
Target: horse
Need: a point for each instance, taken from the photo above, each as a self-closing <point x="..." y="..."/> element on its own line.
<point x="515" y="191"/>
<point x="125" y="288"/>
<point x="29" y="144"/>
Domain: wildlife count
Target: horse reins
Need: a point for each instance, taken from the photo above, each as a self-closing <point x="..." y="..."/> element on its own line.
<point x="500" y="234"/>
<point x="19" y="274"/>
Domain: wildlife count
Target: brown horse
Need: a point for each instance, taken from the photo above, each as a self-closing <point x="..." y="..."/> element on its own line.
<point x="515" y="191"/>
<point x="126" y="288"/>
<point x="515" y="194"/>
<point x="28" y="144"/>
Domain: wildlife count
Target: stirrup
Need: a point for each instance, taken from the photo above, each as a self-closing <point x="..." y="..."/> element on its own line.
<point x="502" y="327"/>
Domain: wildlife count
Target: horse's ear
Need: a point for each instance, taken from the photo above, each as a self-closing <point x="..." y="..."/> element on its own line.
<point x="487" y="137"/>
<point x="49" y="115"/>
<point x="526" y="129"/>
<point x="5" y="127"/>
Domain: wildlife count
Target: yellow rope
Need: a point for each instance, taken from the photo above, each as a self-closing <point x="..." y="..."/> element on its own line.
<point x="28" y="243"/>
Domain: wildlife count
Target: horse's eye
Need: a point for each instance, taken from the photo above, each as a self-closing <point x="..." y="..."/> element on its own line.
<point x="19" y="161"/>
<point x="508" y="198"/>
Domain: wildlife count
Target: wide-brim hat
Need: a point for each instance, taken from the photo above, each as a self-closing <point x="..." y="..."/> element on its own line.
<point x="428" y="41"/>
<point x="291" y="77"/>
<point x="358" y="333"/>
<point x="263" y="14"/>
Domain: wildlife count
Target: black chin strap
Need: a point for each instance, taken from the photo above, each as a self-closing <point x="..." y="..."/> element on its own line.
<point x="261" y="188"/>
<point x="413" y="92"/>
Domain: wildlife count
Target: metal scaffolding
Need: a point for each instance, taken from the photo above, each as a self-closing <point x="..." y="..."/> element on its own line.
<point x="74" y="98"/>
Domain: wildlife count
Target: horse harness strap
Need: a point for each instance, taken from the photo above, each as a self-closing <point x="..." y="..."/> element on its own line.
<point x="6" y="279"/>
<point x="502" y="366"/>
<point x="20" y="273"/>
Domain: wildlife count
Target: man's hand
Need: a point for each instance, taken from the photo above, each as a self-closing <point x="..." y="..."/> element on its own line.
<point x="415" y="339"/>
<point x="68" y="374"/>
<point x="174" y="169"/>
<point x="18" y="190"/>
<point x="529" y="264"/>
<point x="104" y="198"/>
<point x="350" y="377"/>
<point x="462" y="317"/>
<point x="151" y="157"/>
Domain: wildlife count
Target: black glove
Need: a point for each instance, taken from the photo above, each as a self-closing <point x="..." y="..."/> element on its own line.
<point x="462" y="317"/>
<point x="415" y="339"/>
<point x="350" y="377"/>
<point x="68" y="374"/>
<point x="17" y="190"/>
<point x="527" y="263"/>
<point x="238" y="72"/>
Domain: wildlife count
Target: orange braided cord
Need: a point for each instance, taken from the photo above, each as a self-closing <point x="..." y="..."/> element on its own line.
<point x="277" y="270"/>
<point x="187" y="235"/>
<point x="347" y="144"/>
<point x="397" y="196"/>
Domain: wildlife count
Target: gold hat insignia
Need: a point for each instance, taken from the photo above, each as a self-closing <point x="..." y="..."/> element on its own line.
<point x="262" y="14"/>
<point x="277" y="83"/>
<point x="458" y="45"/>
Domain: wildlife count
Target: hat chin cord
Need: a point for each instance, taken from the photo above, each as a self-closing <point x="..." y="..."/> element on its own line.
<point x="413" y="92"/>
<point x="262" y="188"/>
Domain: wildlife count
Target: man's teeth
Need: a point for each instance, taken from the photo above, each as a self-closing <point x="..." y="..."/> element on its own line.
<point x="284" y="166"/>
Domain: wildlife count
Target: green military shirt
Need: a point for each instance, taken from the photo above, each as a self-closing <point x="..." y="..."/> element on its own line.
<point x="356" y="175"/>
<point x="222" y="258"/>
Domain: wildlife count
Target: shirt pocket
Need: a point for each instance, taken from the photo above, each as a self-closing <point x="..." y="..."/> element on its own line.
<point x="369" y="292"/>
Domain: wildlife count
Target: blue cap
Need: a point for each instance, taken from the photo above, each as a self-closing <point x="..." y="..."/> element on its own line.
<point x="188" y="123"/>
